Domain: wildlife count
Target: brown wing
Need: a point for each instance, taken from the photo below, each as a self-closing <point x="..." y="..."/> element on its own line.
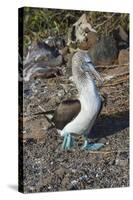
<point x="65" y="112"/>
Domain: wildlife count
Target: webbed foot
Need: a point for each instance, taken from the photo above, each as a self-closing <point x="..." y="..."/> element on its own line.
<point x="68" y="141"/>
<point x="92" y="146"/>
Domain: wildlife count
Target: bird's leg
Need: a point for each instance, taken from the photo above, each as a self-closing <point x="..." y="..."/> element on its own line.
<point x="91" y="146"/>
<point x="68" y="141"/>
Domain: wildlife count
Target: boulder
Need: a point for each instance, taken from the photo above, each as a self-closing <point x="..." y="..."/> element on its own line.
<point x="89" y="41"/>
<point x="121" y="37"/>
<point x="104" y="52"/>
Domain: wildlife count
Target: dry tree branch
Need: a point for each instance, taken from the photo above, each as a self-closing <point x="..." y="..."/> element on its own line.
<point x="111" y="66"/>
<point x="117" y="82"/>
<point x="104" y="22"/>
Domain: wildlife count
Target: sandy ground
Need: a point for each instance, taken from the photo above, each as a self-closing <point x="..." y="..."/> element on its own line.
<point x="46" y="167"/>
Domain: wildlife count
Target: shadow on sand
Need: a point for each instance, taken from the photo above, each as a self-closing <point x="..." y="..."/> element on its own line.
<point x="109" y="125"/>
<point x="13" y="187"/>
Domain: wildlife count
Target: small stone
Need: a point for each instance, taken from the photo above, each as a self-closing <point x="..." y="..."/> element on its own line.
<point x="24" y="131"/>
<point x="122" y="163"/>
<point x="74" y="170"/>
<point x="74" y="182"/>
<point x="65" y="182"/>
<point x="60" y="172"/>
<point x="83" y="177"/>
<point x="73" y="185"/>
<point x="123" y="57"/>
<point x="57" y="99"/>
<point x="47" y="180"/>
<point x="61" y="93"/>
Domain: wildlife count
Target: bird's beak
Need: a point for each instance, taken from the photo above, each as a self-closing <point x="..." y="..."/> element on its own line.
<point x="91" y="70"/>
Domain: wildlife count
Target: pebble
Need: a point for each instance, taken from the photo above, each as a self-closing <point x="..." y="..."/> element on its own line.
<point x="60" y="172"/>
<point x="65" y="182"/>
<point x="122" y="163"/>
<point x="74" y="182"/>
<point x="74" y="170"/>
<point x="83" y="177"/>
<point x="61" y="93"/>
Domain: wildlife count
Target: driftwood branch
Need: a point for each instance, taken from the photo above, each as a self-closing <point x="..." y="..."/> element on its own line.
<point x="44" y="112"/>
<point x="117" y="82"/>
<point x="110" y="66"/>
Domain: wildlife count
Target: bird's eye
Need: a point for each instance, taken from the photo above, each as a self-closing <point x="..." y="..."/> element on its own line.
<point x="88" y="62"/>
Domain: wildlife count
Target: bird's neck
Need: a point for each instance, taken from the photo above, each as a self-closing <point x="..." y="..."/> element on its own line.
<point x="87" y="89"/>
<point x="85" y="84"/>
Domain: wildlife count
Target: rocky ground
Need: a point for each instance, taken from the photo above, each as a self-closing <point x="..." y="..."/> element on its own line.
<point x="46" y="167"/>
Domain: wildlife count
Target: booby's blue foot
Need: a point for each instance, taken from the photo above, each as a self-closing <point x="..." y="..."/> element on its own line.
<point x="67" y="142"/>
<point x="92" y="146"/>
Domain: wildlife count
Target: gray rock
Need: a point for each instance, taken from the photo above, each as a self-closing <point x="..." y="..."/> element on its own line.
<point x="122" y="37"/>
<point x="104" y="52"/>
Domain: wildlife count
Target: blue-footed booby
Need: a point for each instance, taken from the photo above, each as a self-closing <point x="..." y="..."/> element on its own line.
<point x="76" y="117"/>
